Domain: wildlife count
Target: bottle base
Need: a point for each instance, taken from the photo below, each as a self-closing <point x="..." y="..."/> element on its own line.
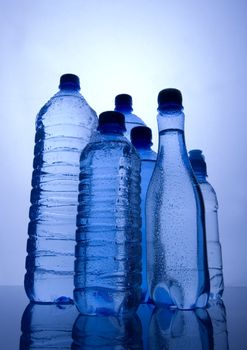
<point x="106" y="301"/>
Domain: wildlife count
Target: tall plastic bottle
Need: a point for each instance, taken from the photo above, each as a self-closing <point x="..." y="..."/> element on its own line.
<point x="214" y="253"/>
<point x="108" y="250"/>
<point x="176" y="244"/>
<point x="63" y="127"/>
<point x="141" y="138"/>
<point x="123" y="104"/>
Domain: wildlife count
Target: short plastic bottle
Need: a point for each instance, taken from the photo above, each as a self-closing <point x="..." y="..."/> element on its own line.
<point x="176" y="242"/>
<point x="108" y="250"/>
<point x="123" y="104"/>
<point x="63" y="127"/>
<point x="214" y="252"/>
<point x="141" y="138"/>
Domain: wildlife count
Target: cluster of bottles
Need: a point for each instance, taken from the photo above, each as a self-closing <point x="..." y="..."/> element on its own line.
<point x="142" y="232"/>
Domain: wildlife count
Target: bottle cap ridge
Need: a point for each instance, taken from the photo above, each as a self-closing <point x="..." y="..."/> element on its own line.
<point x="123" y="102"/>
<point x="69" y="81"/>
<point x="141" y="135"/>
<point x="197" y="161"/>
<point x="170" y="98"/>
<point x="111" y="120"/>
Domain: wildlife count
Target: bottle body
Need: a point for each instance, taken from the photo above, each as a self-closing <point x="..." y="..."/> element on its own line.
<point x="148" y="159"/>
<point x="176" y="245"/>
<point x="108" y="250"/>
<point x="214" y="252"/>
<point x="63" y="128"/>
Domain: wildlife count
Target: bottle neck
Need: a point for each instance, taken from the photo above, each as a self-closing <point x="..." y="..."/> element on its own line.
<point x="170" y="119"/>
<point x="171" y="136"/>
<point x="201" y="177"/>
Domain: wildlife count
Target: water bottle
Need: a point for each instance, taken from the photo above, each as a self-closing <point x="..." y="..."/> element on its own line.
<point x="108" y="250"/>
<point x="47" y="326"/>
<point x="107" y="333"/>
<point x="63" y="127"/>
<point x="176" y="243"/>
<point x="141" y="138"/>
<point x="179" y="330"/>
<point x="199" y="166"/>
<point x="123" y="104"/>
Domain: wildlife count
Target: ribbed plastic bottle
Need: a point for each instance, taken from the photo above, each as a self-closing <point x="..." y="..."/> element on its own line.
<point x="176" y="243"/>
<point x="141" y="138"/>
<point x="108" y="250"/>
<point x="123" y="104"/>
<point x="47" y="326"/>
<point x="214" y="253"/>
<point x="63" y="127"/>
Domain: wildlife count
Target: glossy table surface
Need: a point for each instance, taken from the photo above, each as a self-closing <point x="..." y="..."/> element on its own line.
<point x="221" y="326"/>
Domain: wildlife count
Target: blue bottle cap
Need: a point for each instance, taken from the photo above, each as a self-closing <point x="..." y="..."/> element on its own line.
<point x="170" y="98"/>
<point x="141" y="136"/>
<point x="123" y="103"/>
<point x="111" y="121"/>
<point x="69" y="81"/>
<point x="197" y="161"/>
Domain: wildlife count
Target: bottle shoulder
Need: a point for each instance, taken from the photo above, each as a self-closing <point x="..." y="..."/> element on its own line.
<point x="109" y="145"/>
<point x="208" y="192"/>
<point x="133" y="119"/>
<point x="65" y="106"/>
<point x="147" y="154"/>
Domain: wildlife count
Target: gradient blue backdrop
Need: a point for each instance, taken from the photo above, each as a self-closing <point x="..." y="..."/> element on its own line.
<point x="138" y="47"/>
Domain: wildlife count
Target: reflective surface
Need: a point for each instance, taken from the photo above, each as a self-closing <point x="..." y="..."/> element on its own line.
<point x="33" y="326"/>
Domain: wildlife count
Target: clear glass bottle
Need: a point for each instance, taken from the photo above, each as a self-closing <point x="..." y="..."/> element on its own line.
<point x="63" y="127"/>
<point x="123" y="104"/>
<point x="108" y="250"/>
<point x="141" y="138"/>
<point x="214" y="252"/>
<point x="176" y="242"/>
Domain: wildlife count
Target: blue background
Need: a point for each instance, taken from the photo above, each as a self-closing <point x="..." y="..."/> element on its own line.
<point x="127" y="46"/>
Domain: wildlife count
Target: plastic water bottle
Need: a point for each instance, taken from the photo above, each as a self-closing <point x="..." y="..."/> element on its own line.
<point x="108" y="250"/>
<point x="63" y="127"/>
<point x="123" y="104"/>
<point x="141" y="138"/>
<point x="179" y="330"/>
<point x="47" y="326"/>
<point x="212" y="229"/>
<point x="176" y="243"/>
<point x="107" y="333"/>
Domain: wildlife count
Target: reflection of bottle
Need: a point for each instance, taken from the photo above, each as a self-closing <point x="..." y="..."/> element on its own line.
<point x="107" y="333"/>
<point x="180" y="330"/>
<point x="123" y="104"/>
<point x="144" y="312"/>
<point x="47" y="326"/>
<point x="217" y="314"/>
<point x="141" y="138"/>
<point x="108" y="251"/>
<point x="176" y="242"/>
<point x="214" y="254"/>
<point x="63" y="128"/>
